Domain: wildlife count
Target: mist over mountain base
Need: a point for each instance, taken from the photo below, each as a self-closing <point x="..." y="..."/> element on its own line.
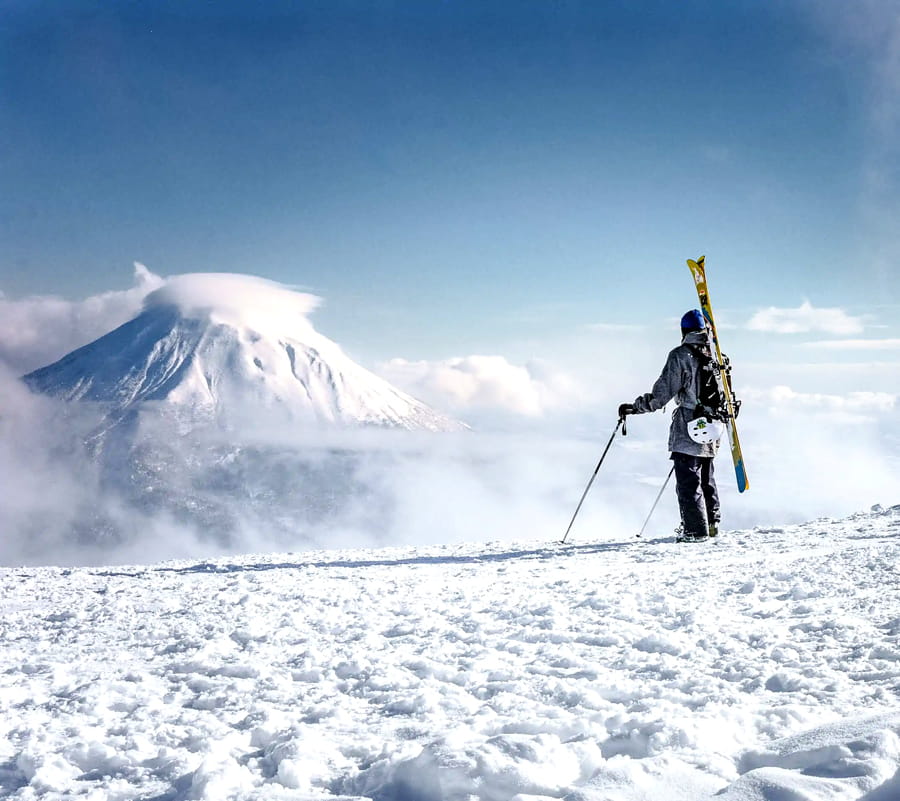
<point x="85" y="487"/>
<point x="211" y="488"/>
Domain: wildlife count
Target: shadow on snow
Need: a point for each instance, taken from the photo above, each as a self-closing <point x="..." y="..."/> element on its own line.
<point x="541" y="553"/>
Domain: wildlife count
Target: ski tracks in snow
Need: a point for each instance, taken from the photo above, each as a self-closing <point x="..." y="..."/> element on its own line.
<point x="585" y="672"/>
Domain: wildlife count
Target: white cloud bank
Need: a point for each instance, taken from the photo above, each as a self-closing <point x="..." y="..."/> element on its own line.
<point x="805" y="318"/>
<point x="488" y="383"/>
<point x="849" y="407"/>
<point x="38" y="330"/>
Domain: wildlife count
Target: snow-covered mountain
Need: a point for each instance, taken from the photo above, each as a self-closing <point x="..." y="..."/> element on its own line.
<point x="220" y="409"/>
<point x="215" y="346"/>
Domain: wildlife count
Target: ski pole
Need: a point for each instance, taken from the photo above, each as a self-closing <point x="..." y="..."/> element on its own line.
<point x="659" y="495"/>
<point x="596" y="470"/>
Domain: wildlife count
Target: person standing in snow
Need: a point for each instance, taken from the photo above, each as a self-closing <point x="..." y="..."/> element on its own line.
<point x="683" y="378"/>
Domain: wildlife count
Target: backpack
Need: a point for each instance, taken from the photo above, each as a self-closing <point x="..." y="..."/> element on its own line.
<point x="710" y="402"/>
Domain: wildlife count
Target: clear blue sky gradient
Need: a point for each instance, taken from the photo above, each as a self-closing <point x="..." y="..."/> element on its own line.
<point x="432" y="168"/>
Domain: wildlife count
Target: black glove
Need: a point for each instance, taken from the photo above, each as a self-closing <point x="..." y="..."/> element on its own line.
<point x="625" y="409"/>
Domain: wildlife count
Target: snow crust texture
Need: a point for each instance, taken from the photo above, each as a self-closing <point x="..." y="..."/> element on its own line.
<point x="765" y="666"/>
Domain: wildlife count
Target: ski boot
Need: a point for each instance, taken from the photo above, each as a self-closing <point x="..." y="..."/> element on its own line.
<point x="686" y="536"/>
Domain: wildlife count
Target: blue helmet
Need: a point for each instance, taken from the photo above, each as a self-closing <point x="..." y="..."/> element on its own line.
<point x="693" y="321"/>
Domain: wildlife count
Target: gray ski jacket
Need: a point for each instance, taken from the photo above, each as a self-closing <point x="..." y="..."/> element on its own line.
<point x="679" y="380"/>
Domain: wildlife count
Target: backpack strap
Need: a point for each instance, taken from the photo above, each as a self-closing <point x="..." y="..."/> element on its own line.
<point x="704" y="375"/>
<point x="700" y="351"/>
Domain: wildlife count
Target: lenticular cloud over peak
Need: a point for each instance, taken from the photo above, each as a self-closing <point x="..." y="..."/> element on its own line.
<point x="242" y="300"/>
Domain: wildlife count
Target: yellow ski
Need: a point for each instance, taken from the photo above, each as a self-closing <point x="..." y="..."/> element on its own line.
<point x="698" y="270"/>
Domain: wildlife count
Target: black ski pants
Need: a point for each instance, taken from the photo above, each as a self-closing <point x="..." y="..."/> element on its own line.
<point x="698" y="498"/>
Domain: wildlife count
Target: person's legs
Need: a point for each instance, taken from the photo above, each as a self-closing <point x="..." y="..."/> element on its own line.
<point x="710" y="495"/>
<point x="689" y="489"/>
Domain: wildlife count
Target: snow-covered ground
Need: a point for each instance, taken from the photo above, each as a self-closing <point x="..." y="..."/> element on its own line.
<point x="762" y="666"/>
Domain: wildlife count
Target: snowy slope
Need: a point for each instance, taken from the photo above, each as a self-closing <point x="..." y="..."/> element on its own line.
<point x="213" y="345"/>
<point x="762" y="666"/>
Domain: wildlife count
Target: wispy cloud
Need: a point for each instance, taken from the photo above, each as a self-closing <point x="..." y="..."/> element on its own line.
<point x="854" y="344"/>
<point x="614" y="328"/>
<point x="490" y="383"/>
<point x="806" y="318"/>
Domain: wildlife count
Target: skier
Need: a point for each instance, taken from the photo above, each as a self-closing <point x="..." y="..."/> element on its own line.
<point x="687" y="377"/>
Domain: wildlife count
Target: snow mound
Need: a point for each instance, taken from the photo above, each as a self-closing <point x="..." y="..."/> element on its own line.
<point x="858" y="757"/>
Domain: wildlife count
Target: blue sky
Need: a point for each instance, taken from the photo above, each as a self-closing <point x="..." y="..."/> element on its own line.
<point x="464" y="177"/>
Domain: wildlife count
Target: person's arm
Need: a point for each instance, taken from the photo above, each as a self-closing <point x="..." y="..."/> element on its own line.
<point x="666" y="387"/>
